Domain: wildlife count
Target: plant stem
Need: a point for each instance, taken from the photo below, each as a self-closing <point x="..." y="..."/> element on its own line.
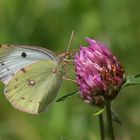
<point x="109" y="119"/>
<point x="102" y="131"/>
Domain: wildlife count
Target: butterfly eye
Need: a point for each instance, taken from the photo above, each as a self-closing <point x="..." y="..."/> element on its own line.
<point x="68" y="56"/>
<point x="23" y="54"/>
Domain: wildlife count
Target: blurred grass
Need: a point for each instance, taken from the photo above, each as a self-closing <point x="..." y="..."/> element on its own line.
<point x="48" y="23"/>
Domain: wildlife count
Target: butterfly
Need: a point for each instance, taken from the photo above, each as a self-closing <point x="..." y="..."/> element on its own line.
<point x="32" y="76"/>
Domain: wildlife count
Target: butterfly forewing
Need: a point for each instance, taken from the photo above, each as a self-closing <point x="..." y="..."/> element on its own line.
<point x="35" y="86"/>
<point x="15" y="57"/>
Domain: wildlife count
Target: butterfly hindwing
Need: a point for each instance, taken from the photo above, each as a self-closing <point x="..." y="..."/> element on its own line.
<point x="35" y="86"/>
<point x="14" y="57"/>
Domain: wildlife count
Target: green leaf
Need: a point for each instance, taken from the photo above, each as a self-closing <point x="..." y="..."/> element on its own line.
<point x="67" y="96"/>
<point x="98" y="112"/>
<point x="132" y="80"/>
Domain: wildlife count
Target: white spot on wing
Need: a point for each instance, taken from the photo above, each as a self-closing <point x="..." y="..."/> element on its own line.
<point x="31" y="82"/>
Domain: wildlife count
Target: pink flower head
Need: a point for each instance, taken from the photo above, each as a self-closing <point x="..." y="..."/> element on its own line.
<point x="98" y="72"/>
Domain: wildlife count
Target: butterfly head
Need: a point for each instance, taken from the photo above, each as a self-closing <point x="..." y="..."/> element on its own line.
<point x="65" y="56"/>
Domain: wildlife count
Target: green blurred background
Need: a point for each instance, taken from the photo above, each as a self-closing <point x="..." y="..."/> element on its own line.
<point x="48" y="23"/>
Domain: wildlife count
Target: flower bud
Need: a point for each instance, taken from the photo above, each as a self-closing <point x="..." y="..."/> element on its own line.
<point x="98" y="73"/>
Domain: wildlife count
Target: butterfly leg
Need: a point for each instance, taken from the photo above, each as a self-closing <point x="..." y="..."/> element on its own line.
<point x="69" y="79"/>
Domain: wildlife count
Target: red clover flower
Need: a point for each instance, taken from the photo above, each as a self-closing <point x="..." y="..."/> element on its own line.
<point x="99" y="74"/>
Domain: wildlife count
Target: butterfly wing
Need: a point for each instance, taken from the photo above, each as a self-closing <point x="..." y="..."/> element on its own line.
<point x="34" y="87"/>
<point x="14" y="57"/>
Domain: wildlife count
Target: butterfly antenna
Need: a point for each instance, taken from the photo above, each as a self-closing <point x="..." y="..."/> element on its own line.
<point x="71" y="38"/>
